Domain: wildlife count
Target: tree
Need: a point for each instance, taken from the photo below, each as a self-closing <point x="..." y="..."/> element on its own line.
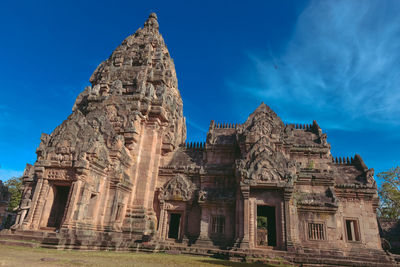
<point x="14" y="185"/>
<point x="389" y="194"/>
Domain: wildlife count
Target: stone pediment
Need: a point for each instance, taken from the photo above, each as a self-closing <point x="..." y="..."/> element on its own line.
<point x="179" y="188"/>
<point x="264" y="165"/>
<point x="263" y="122"/>
<point x="262" y="161"/>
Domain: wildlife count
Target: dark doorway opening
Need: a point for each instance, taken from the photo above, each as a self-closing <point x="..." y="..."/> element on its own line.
<point x="266" y="226"/>
<point x="174" y="222"/>
<point x="58" y="207"/>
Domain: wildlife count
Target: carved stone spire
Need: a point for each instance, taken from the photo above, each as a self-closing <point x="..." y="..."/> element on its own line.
<point x="141" y="64"/>
<point x="152" y="22"/>
<point x="136" y="85"/>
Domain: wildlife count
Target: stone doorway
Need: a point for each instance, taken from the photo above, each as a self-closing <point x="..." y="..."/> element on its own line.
<point x="174" y="225"/>
<point x="58" y="207"/>
<point x="266" y="226"/>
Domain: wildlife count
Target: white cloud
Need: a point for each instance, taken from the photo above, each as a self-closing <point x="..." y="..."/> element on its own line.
<point x="341" y="66"/>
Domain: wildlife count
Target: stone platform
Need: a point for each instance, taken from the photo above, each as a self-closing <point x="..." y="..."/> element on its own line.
<point x="311" y="257"/>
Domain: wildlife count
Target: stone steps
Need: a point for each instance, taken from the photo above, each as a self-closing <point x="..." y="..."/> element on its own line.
<point x="38" y="237"/>
<point x="284" y="257"/>
<point x="21" y="238"/>
<point x="7" y="242"/>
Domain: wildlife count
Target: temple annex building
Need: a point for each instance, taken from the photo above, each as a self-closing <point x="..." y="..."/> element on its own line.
<point x="117" y="174"/>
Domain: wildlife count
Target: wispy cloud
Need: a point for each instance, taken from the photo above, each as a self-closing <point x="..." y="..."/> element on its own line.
<point x="196" y="126"/>
<point x="342" y="66"/>
<point x="6" y="174"/>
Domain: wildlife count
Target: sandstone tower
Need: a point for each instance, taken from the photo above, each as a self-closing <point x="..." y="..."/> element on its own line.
<point x="118" y="173"/>
<point x="98" y="169"/>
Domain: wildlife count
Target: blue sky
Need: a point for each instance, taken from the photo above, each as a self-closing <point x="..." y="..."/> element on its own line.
<point x="333" y="61"/>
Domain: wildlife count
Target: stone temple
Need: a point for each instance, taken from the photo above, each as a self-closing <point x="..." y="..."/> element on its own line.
<point x="117" y="173"/>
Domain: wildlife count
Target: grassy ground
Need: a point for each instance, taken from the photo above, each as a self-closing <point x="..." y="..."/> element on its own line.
<point x="26" y="257"/>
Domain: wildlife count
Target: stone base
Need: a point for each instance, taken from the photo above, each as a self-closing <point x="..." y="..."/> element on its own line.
<point x="204" y="242"/>
<point x="92" y="240"/>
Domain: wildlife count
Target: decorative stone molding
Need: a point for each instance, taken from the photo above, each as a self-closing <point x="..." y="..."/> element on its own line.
<point x="262" y="161"/>
<point x="179" y="188"/>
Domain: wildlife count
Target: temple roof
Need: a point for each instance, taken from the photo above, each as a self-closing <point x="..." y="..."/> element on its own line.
<point x="141" y="59"/>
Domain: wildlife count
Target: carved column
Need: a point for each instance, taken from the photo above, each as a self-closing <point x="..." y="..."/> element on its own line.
<point x="238" y="218"/>
<point x="252" y="223"/>
<point x="182" y="234"/>
<point x="288" y="231"/>
<point x="165" y="225"/>
<point x="28" y="221"/>
<point x="161" y="221"/>
<point x="246" y="216"/>
<point x="80" y="204"/>
<point x="204" y="238"/>
<point x="69" y="220"/>
<point x="39" y="206"/>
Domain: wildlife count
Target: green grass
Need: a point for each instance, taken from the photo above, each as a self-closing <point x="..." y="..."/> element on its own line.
<point x="22" y="256"/>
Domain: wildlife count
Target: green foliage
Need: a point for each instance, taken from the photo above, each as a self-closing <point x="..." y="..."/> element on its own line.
<point x="14" y="187"/>
<point x="389" y="194"/>
<point x="262" y="222"/>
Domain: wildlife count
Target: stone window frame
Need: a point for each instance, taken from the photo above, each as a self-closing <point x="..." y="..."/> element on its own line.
<point x="357" y="229"/>
<point x="308" y="222"/>
<point x="215" y="227"/>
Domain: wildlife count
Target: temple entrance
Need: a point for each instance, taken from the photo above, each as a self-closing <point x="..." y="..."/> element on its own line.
<point x="58" y="207"/>
<point x="266" y="226"/>
<point x="174" y="225"/>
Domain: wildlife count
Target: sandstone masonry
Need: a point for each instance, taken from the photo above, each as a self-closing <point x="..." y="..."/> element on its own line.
<point x="118" y="173"/>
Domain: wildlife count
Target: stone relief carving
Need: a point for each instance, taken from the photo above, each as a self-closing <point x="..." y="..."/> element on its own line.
<point x="261" y="160"/>
<point x="28" y="172"/>
<point x="264" y="164"/>
<point x="323" y="139"/>
<point x="59" y="174"/>
<point x="369" y="174"/>
<point x="41" y="150"/>
<point x="178" y="188"/>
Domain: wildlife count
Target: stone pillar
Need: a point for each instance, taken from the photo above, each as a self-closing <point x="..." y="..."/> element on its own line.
<point x="39" y="206"/>
<point x="204" y="238"/>
<point x="161" y="222"/>
<point x="288" y="231"/>
<point x="252" y="223"/>
<point x="238" y="219"/>
<point x="80" y="205"/>
<point x="28" y="220"/>
<point x="69" y="219"/>
<point x="183" y="225"/>
<point x="165" y="225"/>
<point x="104" y="203"/>
<point x="246" y="217"/>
